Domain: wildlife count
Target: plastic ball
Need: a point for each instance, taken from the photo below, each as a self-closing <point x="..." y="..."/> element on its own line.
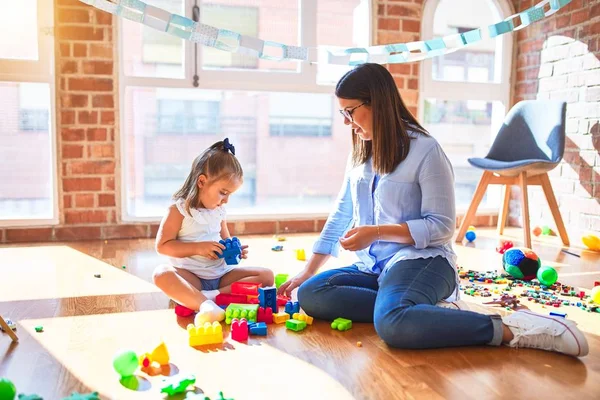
<point x="521" y="263"/>
<point x="595" y="295"/>
<point x="8" y="391"/>
<point x="537" y="231"/>
<point x="547" y="276"/>
<point x="125" y="363"/>
<point x="471" y="228"/>
<point x="591" y="241"/>
<point x="470" y="236"/>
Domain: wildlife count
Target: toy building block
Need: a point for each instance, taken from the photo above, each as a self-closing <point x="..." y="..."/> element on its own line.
<point x="265" y="315"/>
<point x="259" y="329"/>
<point x="281" y="317"/>
<point x="182" y="311"/>
<point x="225" y="299"/>
<point x="233" y="250"/>
<point x="252" y="300"/>
<point x="281" y="300"/>
<point x="267" y="297"/>
<point x="300" y="255"/>
<point x="303" y="317"/>
<point x="205" y="334"/>
<point x="239" y="329"/>
<point x="8" y="326"/>
<point x="248" y="311"/>
<point x="292" y="307"/>
<point x="29" y="397"/>
<point x="295" y="325"/>
<point x="280" y="278"/>
<point x="246" y="288"/>
<point x="277" y="248"/>
<point x="177" y="384"/>
<point x="82" y="396"/>
<point x="341" y="324"/>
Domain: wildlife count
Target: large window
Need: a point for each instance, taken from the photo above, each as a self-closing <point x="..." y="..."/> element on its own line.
<point x="464" y="94"/>
<point x="177" y="99"/>
<point x="27" y="151"/>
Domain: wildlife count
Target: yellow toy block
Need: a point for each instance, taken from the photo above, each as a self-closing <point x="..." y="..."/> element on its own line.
<point x="303" y="317"/>
<point x="280" y="317"/>
<point x="205" y="334"/>
<point x="300" y="255"/>
<point x="160" y="354"/>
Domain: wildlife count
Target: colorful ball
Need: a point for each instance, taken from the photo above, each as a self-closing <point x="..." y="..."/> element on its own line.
<point x="8" y="391"/>
<point x="521" y="263"/>
<point x="537" y="231"/>
<point x="125" y="363"/>
<point x="470" y="236"/>
<point x="591" y="241"/>
<point x="546" y="230"/>
<point x="595" y="295"/>
<point x="547" y="276"/>
<point x="471" y="228"/>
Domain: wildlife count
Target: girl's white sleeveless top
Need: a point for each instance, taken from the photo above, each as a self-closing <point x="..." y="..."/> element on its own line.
<point x="201" y="225"/>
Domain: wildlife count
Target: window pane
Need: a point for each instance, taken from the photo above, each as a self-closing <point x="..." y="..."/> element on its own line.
<point x="340" y="23"/>
<point x="151" y="53"/>
<point x="477" y="62"/>
<point x="477" y="122"/>
<point x="26" y="151"/>
<point x="18" y="20"/>
<point x="268" y="20"/>
<point x="293" y="147"/>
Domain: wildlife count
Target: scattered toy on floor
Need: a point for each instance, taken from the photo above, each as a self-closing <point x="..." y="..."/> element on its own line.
<point x="247" y="311"/>
<point x="177" y="384"/>
<point x="83" y="396"/>
<point x="97" y="276"/>
<point x="239" y="329"/>
<point x="591" y="241"/>
<point x="504" y="245"/>
<point x="341" y="324"/>
<point x="595" y="295"/>
<point x="537" y="231"/>
<point x="295" y="325"/>
<point x="10" y="324"/>
<point x="8" y="390"/>
<point x="204" y="334"/>
<point x="183" y="311"/>
<point x="29" y="397"/>
<point x="471" y="236"/>
<point x="277" y="248"/>
<point x="300" y="255"/>
<point x="160" y="356"/>
<point x="521" y="263"/>
<point x="280" y="279"/>
<point x="39" y="328"/>
<point x="358" y="344"/>
<point x="125" y="363"/>
<point x="259" y="329"/>
<point x="547" y="276"/>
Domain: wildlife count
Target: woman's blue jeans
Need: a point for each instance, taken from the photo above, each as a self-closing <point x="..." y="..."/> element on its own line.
<point x="402" y="307"/>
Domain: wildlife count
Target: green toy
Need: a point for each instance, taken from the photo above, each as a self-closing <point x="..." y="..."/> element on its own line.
<point x="295" y="325"/>
<point x="29" y="397"/>
<point x="546" y="231"/>
<point x="80" y="396"/>
<point x="547" y="276"/>
<point x="341" y="324"/>
<point x="125" y="363"/>
<point x="248" y="311"/>
<point x="177" y="385"/>
<point x="8" y="391"/>
<point x="280" y="279"/>
<point x="196" y="396"/>
<point x="39" y="328"/>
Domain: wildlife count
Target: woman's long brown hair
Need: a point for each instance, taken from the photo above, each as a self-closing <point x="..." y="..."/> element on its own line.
<point x="374" y="85"/>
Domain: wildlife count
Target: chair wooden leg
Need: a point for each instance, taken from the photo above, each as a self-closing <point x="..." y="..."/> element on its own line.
<point x="10" y="332"/>
<point x="525" y="208"/>
<point x="547" y="187"/>
<point x="477" y="197"/>
<point x="503" y="210"/>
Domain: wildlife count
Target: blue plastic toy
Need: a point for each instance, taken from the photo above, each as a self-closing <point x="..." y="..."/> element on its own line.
<point x="233" y="250"/>
<point x="258" y="328"/>
<point x="292" y="307"/>
<point x="471" y="236"/>
<point x="267" y="297"/>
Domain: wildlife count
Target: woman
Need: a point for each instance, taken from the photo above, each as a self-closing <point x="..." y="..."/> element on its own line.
<point x="396" y="211"/>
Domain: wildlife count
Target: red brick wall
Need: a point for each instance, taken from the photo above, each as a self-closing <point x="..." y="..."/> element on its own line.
<point x="559" y="58"/>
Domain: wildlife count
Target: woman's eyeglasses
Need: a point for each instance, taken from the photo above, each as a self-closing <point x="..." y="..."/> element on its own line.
<point x="347" y="112"/>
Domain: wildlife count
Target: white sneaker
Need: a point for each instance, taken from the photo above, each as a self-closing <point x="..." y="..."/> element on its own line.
<point x="209" y="312"/>
<point x="546" y="333"/>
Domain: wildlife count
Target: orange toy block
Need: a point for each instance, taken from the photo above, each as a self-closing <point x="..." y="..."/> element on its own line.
<point x="303" y="317"/>
<point x="280" y="317"/>
<point x="205" y="334"/>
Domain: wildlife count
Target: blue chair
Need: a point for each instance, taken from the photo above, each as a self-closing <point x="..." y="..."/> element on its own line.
<point x="530" y="143"/>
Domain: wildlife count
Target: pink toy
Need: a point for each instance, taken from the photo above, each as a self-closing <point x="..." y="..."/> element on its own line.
<point x="225" y="299"/>
<point x="265" y="315"/>
<point x="239" y="329"/>
<point x="504" y="246"/>
<point x="182" y="311"/>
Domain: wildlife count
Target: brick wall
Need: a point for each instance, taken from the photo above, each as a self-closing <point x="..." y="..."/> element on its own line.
<point x="559" y="58"/>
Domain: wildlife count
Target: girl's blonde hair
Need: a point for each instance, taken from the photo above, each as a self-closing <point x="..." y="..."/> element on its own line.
<point x="216" y="163"/>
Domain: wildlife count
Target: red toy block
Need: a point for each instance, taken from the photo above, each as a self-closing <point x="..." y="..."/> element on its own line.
<point x="281" y="300"/>
<point x="239" y="329"/>
<point x="596" y="283"/>
<point x="182" y="311"/>
<point x="265" y="315"/>
<point x="252" y="300"/>
<point x="250" y="288"/>
<point x="224" y="299"/>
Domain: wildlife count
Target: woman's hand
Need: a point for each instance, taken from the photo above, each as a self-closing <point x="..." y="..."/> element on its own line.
<point x="245" y="251"/>
<point x="210" y="250"/>
<point x="286" y="288"/>
<point x="359" y="238"/>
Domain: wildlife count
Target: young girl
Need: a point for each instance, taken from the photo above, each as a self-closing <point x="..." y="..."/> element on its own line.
<point x="190" y="232"/>
<point x="398" y="200"/>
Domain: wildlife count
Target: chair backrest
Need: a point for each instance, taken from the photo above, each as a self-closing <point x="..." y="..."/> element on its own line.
<point x="532" y="129"/>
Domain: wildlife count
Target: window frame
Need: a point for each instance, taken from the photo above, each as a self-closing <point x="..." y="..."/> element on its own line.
<point x="303" y="81"/>
<point x="39" y="71"/>
<point x="463" y="91"/>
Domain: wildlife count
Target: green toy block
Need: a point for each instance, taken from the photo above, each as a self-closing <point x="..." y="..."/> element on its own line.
<point x="341" y="324"/>
<point x="248" y="311"/>
<point x="80" y="396"/>
<point x="29" y="397"/>
<point x="177" y="384"/>
<point x="280" y="279"/>
<point x="295" y="325"/>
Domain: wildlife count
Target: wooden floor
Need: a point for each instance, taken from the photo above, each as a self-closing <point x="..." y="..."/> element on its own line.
<point x="86" y="320"/>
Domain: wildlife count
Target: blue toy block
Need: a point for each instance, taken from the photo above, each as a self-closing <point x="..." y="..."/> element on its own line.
<point x="233" y="250"/>
<point x="292" y="307"/>
<point x="259" y="329"/>
<point x="267" y="297"/>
